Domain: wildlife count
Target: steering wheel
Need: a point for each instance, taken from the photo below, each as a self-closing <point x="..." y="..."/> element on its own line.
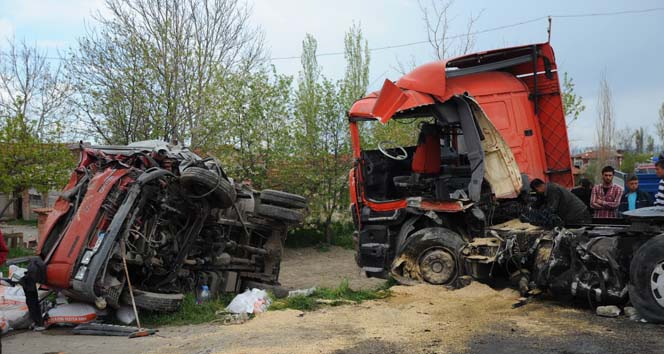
<point x="383" y="146"/>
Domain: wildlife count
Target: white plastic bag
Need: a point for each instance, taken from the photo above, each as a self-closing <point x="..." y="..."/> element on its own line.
<point x="250" y="301"/>
<point x="125" y="314"/>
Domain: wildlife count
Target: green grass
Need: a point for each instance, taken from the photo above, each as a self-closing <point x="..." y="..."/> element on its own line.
<point x="15" y="253"/>
<point x="22" y="222"/>
<point x="343" y="294"/>
<point x="192" y="313"/>
<point x="189" y="313"/>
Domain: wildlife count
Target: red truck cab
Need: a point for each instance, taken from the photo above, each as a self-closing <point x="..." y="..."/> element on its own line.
<point x="472" y="132"/>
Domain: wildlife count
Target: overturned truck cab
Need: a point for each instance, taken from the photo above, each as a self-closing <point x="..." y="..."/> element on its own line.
<point x="443" y="158"/>
<point x="166" y="218"/>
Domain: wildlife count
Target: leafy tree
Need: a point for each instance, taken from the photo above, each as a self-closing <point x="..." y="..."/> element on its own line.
<point x="639" y="139"/>
<point x="320" y="109"/>
<point x="27" y="161"/>
<point x="572" y="103"/>
<point x="251" y="131"/>
<point x="150" y="69"/>
<point x="631" y="159"/>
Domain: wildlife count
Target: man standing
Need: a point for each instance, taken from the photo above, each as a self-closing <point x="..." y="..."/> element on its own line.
<point x="562" y="202"/>
<point x="659" y="170"/>
<point x="584" y="191"/>
<point x="605" y="197"/>
<point x="634" y="198"/>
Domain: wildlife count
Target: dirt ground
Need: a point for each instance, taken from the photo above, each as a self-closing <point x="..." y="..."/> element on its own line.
<point x="418" y="319"/>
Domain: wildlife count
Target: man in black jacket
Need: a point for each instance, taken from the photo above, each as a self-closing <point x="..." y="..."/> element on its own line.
<point x="562" y="202"/>
<point x="634" y="198"/>
<point x="584" y="191"/>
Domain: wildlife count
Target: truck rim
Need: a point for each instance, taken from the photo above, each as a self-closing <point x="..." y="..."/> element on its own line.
<point x="657" y="283"/>
<point x="437" y="266"/>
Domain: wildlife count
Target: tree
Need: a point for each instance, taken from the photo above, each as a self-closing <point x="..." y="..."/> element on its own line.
<point x="251" y="132"/>
<point x="625" y="139"/>
<point x="27" y="161"/>
<point x="33" y="99"/>
<point x="437" y="22"/>
<point x="149" y="70"/>
<point x="320" y="109"/>
<point x="605" y="123"/>
<point x="650" y="144"/>
<point x="572" y="103"/>
<point x="33" y="91"/>
<point x="660" y="124"/>
<point x="436" y="18"/>
<point x="639" y="139"/>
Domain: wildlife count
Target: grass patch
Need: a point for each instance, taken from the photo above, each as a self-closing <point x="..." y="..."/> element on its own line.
<point x="190" y="312"/>
<point x="343" y="294"/>
<point x="20" y="222"/>
<point x="16" y="253"/>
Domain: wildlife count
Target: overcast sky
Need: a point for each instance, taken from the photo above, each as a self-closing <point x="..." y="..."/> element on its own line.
<point x="628" y="47"/>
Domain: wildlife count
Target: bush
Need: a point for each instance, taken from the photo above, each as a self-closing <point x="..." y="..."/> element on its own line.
<point x="314" y="235"/>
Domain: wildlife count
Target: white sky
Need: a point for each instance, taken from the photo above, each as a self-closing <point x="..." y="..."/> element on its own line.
<point x="628" y="47"/>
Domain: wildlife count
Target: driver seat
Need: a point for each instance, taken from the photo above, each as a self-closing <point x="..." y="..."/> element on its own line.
<point x="426" y="160"/>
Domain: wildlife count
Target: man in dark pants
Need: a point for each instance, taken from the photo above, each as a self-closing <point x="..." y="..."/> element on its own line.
<point x="562" y="202"/>
<point x="35" y="274"/>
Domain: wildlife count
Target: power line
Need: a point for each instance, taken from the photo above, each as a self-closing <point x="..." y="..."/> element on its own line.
<point x="596" y="14"/>
<point x="493" y="29"/>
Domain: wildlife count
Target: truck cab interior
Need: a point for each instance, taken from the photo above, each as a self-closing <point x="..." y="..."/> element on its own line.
<point x="430" y="152"/>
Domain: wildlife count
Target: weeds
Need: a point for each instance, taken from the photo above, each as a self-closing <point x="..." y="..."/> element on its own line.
<point x="190" y="312"/>
<point x="343" y="294"/>
<point x="21" y="222"/>
<point x="16" y="253"/>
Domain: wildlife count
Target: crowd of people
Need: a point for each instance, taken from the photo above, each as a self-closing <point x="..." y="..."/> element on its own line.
<point x="605" y="200"/>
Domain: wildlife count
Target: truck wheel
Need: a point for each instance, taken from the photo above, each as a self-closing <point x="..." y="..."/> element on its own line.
<point x="203" y="183"/>
<point x="286" y="215"/>
<point x="288" y="200"/>
<point x="429" y="255"/>
<point x="157" y="302"/>
<point x="646" y="274"/>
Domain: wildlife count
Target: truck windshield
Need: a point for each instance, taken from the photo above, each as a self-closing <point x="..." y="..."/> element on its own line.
<point x="401" y="131"/>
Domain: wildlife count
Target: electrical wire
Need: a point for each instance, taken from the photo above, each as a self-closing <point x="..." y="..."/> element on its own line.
<point x="493" y="29"/>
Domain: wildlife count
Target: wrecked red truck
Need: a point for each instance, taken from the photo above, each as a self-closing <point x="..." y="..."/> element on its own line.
<point x="438" y="188"/>
<point x="177" y="220"/>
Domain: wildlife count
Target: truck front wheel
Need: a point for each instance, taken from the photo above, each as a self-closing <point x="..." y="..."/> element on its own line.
<point x="646" y="274"/>
<point x="430" y="255"/>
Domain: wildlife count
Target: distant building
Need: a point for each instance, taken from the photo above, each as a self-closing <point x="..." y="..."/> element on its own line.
<point x="582" y="160"/>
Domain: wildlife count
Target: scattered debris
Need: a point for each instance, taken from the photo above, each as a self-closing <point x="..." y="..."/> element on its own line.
<point x="250" y="301"/>
<point x="71" y="314"/>
<point x="608" y="311"/>
<point x="302" y="292"/>
<point x="100" y="329"/>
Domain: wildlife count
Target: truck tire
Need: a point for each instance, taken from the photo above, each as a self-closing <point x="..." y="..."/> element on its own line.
<point x="279" y="198"/>
<point x="646" y="275"/>
<point x="430" y="255"/>
<point x="157" y="302"/>
<point x="203" y="183"/>
<point x="286" y="215"/>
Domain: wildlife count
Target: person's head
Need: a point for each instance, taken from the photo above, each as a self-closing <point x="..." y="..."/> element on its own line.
<point x="538" y="186"/>
<point x="607" y="175"/>
<point x="586" y="184"/>
<point x="632" y="183"/>
<point x="659" y="168"/>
